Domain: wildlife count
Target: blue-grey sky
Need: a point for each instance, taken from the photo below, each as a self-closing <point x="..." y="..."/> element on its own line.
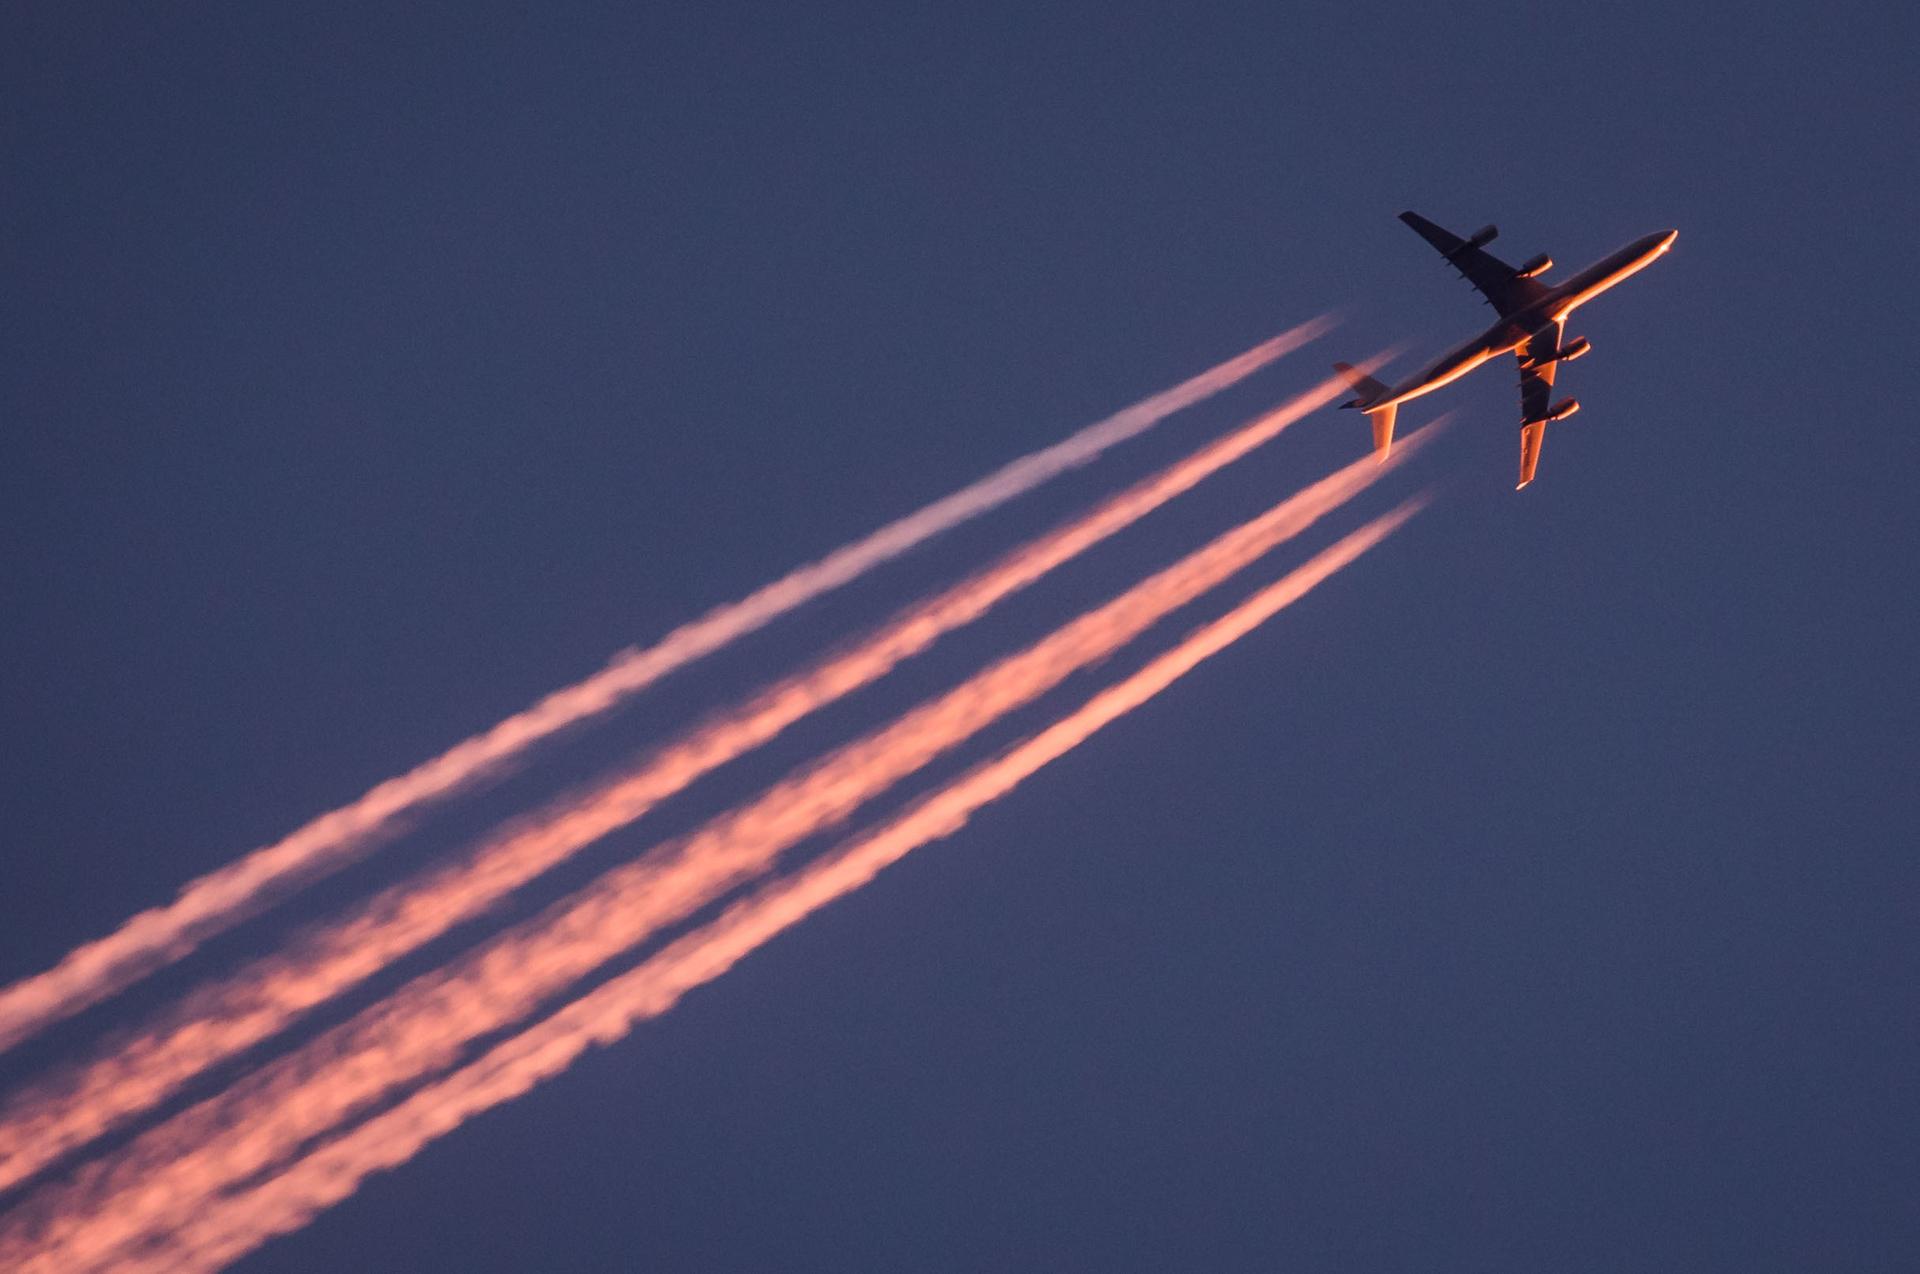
<point x="1539" y="894"/>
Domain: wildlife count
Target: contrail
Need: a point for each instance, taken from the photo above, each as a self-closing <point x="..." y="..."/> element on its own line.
<point x="222" y="898"/>
<point x="42" y="1123"/>
<point x="212" y="1237"/>
<point x="425" y="1025"/>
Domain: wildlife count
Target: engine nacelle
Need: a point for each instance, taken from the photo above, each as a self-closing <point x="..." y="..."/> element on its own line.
<point x="1574" y="349"/>
<point x="1538" y="266"/>
<point x="1483" y="236"/>
<point x="1562" y="409"/>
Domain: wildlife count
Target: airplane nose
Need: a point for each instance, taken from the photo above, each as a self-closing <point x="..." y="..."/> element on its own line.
<point x="1666" y="240"/>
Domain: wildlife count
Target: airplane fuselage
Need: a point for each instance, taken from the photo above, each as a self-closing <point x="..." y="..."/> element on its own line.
<point x="1549" y="311"/>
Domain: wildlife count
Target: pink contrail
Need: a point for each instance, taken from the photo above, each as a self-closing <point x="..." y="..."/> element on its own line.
<point x="53" y="1117"/>
<point x="233" y="1226"/>
<point x="222" y="898"/>
<point x="425" y="1025"/>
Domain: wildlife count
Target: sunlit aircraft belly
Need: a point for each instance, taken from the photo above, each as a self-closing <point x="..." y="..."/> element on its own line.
<point x="1595" y="279"/>
<point x="1516" y="329"/>
<point x="1503" y="338"/>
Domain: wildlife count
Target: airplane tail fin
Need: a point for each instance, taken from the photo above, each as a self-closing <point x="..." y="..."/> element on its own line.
<point x="1366" y="389"/>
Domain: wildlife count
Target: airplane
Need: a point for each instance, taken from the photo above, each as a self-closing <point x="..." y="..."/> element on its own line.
<point x="1533" y="317"/>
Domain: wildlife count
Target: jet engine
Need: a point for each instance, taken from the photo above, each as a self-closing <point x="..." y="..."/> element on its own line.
<point x="1483" y="236"/>
<point x="1573" y="349"/>
<point x="1562" y="409"/>
<point x="1539" y="265"/>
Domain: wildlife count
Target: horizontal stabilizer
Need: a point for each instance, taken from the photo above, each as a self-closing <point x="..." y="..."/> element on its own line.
<point x="1382" y="420"/>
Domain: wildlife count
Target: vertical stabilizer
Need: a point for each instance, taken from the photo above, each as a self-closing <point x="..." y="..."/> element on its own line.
<point x="1365" y="388"/>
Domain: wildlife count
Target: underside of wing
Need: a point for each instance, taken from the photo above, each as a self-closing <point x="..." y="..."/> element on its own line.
<point x="1499" y="283"/>
<point x="1536" y="389"/>
<point x="1531" y="436"/>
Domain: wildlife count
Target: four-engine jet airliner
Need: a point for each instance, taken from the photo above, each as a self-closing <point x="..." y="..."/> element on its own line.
<point x="1533" y="316"/>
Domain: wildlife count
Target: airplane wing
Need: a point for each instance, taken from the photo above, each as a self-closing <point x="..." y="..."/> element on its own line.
<point x="1495" y="280"/>
<point x="1536" y="388"/>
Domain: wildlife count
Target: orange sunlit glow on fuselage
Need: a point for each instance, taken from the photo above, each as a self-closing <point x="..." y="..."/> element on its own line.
<point x="1515" y="330"/>
<point x="1595" y="279"/>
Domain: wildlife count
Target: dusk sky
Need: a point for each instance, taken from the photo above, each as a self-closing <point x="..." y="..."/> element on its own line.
<point x="1539" y="893"/>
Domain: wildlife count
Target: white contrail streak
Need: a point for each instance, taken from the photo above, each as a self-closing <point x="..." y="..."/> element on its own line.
<point x="213" y="1147"/>
<point x="212" y="1237"/>
<point x="51" y="1118"/>
<point x="222" y="898"/>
